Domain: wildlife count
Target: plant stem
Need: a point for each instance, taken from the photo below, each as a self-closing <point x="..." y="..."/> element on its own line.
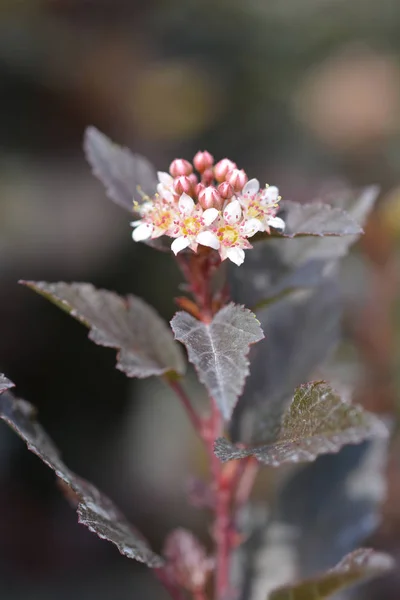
<point x="222" y="518"/>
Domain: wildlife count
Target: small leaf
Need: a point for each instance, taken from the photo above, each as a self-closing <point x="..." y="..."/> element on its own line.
<point x="120" y="171"/>
<point x="317" y="422"/>
<point x="318" y="219"/>
<point x="146" y="345"/>
<point x="5" y="384"/>
<point x="359" y="566"/>
<point x="95" y="510"/>
<point x="219" y="350"/>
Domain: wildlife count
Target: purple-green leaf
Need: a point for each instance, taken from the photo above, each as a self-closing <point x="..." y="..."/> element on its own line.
<point x="95" y="510"/>
<point x="5" y="384"/>
<point x="219" y="350"/>
<point x="145" y="342"/>
<point x="317" y="422"/>
<point x="359" y="566"/>
<point x="120" y="171"/>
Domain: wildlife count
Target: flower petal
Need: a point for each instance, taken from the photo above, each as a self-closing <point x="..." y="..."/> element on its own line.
<point x="207" y="238"/>
<point x="277" y="223"/>
<point x="236" y="255"/>
<point x="186" y="204"/>
<point x="270" y="194"/>
<point x="209" y="215"/>
<point x="232" y="212"/>
<point x="251" y="227"/>
<point x="251" y="187"/>
<point x="142" y="232"/>
<point x="165" y="178"/>
<point x="179" y="244"/>
<point x="135" y="223"/>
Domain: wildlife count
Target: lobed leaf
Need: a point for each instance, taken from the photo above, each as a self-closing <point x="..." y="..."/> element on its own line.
<point x="145" y="343"/>
<point x="5" y="384"/>
<point x="219" y="350"/>
<point x="120" y="171"/>
<point x="95" y="510"/>
<point x="317" y="422"/>
<point x="359" y="566"/>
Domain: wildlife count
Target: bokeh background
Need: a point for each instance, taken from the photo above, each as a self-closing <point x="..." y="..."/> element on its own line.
<point x="302" y="94"/>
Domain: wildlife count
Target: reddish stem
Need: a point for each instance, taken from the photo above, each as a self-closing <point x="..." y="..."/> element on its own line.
<point x="222" y="520"/>
<point x="246" y="481"/>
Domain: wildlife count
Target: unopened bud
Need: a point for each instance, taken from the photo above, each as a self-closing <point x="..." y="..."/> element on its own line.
<point x="237" y="178"/>
<point x="199" y="188"/>
<point x="207" y="177"/>
<point x="209" y="197"/>
<point x="203" y="160"/>
<point x="222" y="168"/>
<point x="226" y="190"/>
<point x="179" y="167"/>
<point x="182" y="185"/>
<point x="193" y="179"/>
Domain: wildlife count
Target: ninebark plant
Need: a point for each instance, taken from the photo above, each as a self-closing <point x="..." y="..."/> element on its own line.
<point x="289" y="277"/>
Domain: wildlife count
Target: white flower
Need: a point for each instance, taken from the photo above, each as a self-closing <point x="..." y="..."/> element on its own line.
<point x="190" y="226"/>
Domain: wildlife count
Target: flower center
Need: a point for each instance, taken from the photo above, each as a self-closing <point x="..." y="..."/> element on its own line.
<point x="191" y="226"/>
<point x="228" y="235"/>
<point x="255" y="211"/>
<point x="162" y="219"/>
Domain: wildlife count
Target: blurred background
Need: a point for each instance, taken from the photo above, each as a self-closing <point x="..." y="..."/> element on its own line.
<point x="303" y="95"/>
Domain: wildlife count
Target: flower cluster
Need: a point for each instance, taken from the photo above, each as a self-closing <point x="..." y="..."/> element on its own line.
<point x="220" y="211"/>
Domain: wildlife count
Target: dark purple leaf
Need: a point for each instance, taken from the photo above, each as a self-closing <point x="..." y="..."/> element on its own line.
<point x="318" y="219"/>
<point x="308" y="501"/>
<point x="219" y="351"/>
<point x="145" y="342"/>
<point x="317" y="422"/>
<point x="120" y="171"/>
<point x="359" y="566"/>
<point x="95" y="510"/>
<point x="5" y="384"/>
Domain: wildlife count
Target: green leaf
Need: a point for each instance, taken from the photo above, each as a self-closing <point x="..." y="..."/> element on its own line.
<point x="145" y="342"/>
<point x="317" y="422"/>
<point x="219" y="350"/>
<point x="95" y="510"/>
<point x="5" y="384"/>
<point x="120" y="171"/>
<point x="359" y="566"/>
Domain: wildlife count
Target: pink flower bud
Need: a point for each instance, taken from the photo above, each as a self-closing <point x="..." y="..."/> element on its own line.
<point x="207" y="177"/>
<point x="226" y="190"/>
<point x="179" y="167"/>
<point x="209" y="197"/>
<point x="222" y="168"/>
<point x="199" y="188"/>
<point x="182" y="185"/>
<point x="193" y="180"/>
<point x="203" y="160"/>
<point x="237" y="178"/>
